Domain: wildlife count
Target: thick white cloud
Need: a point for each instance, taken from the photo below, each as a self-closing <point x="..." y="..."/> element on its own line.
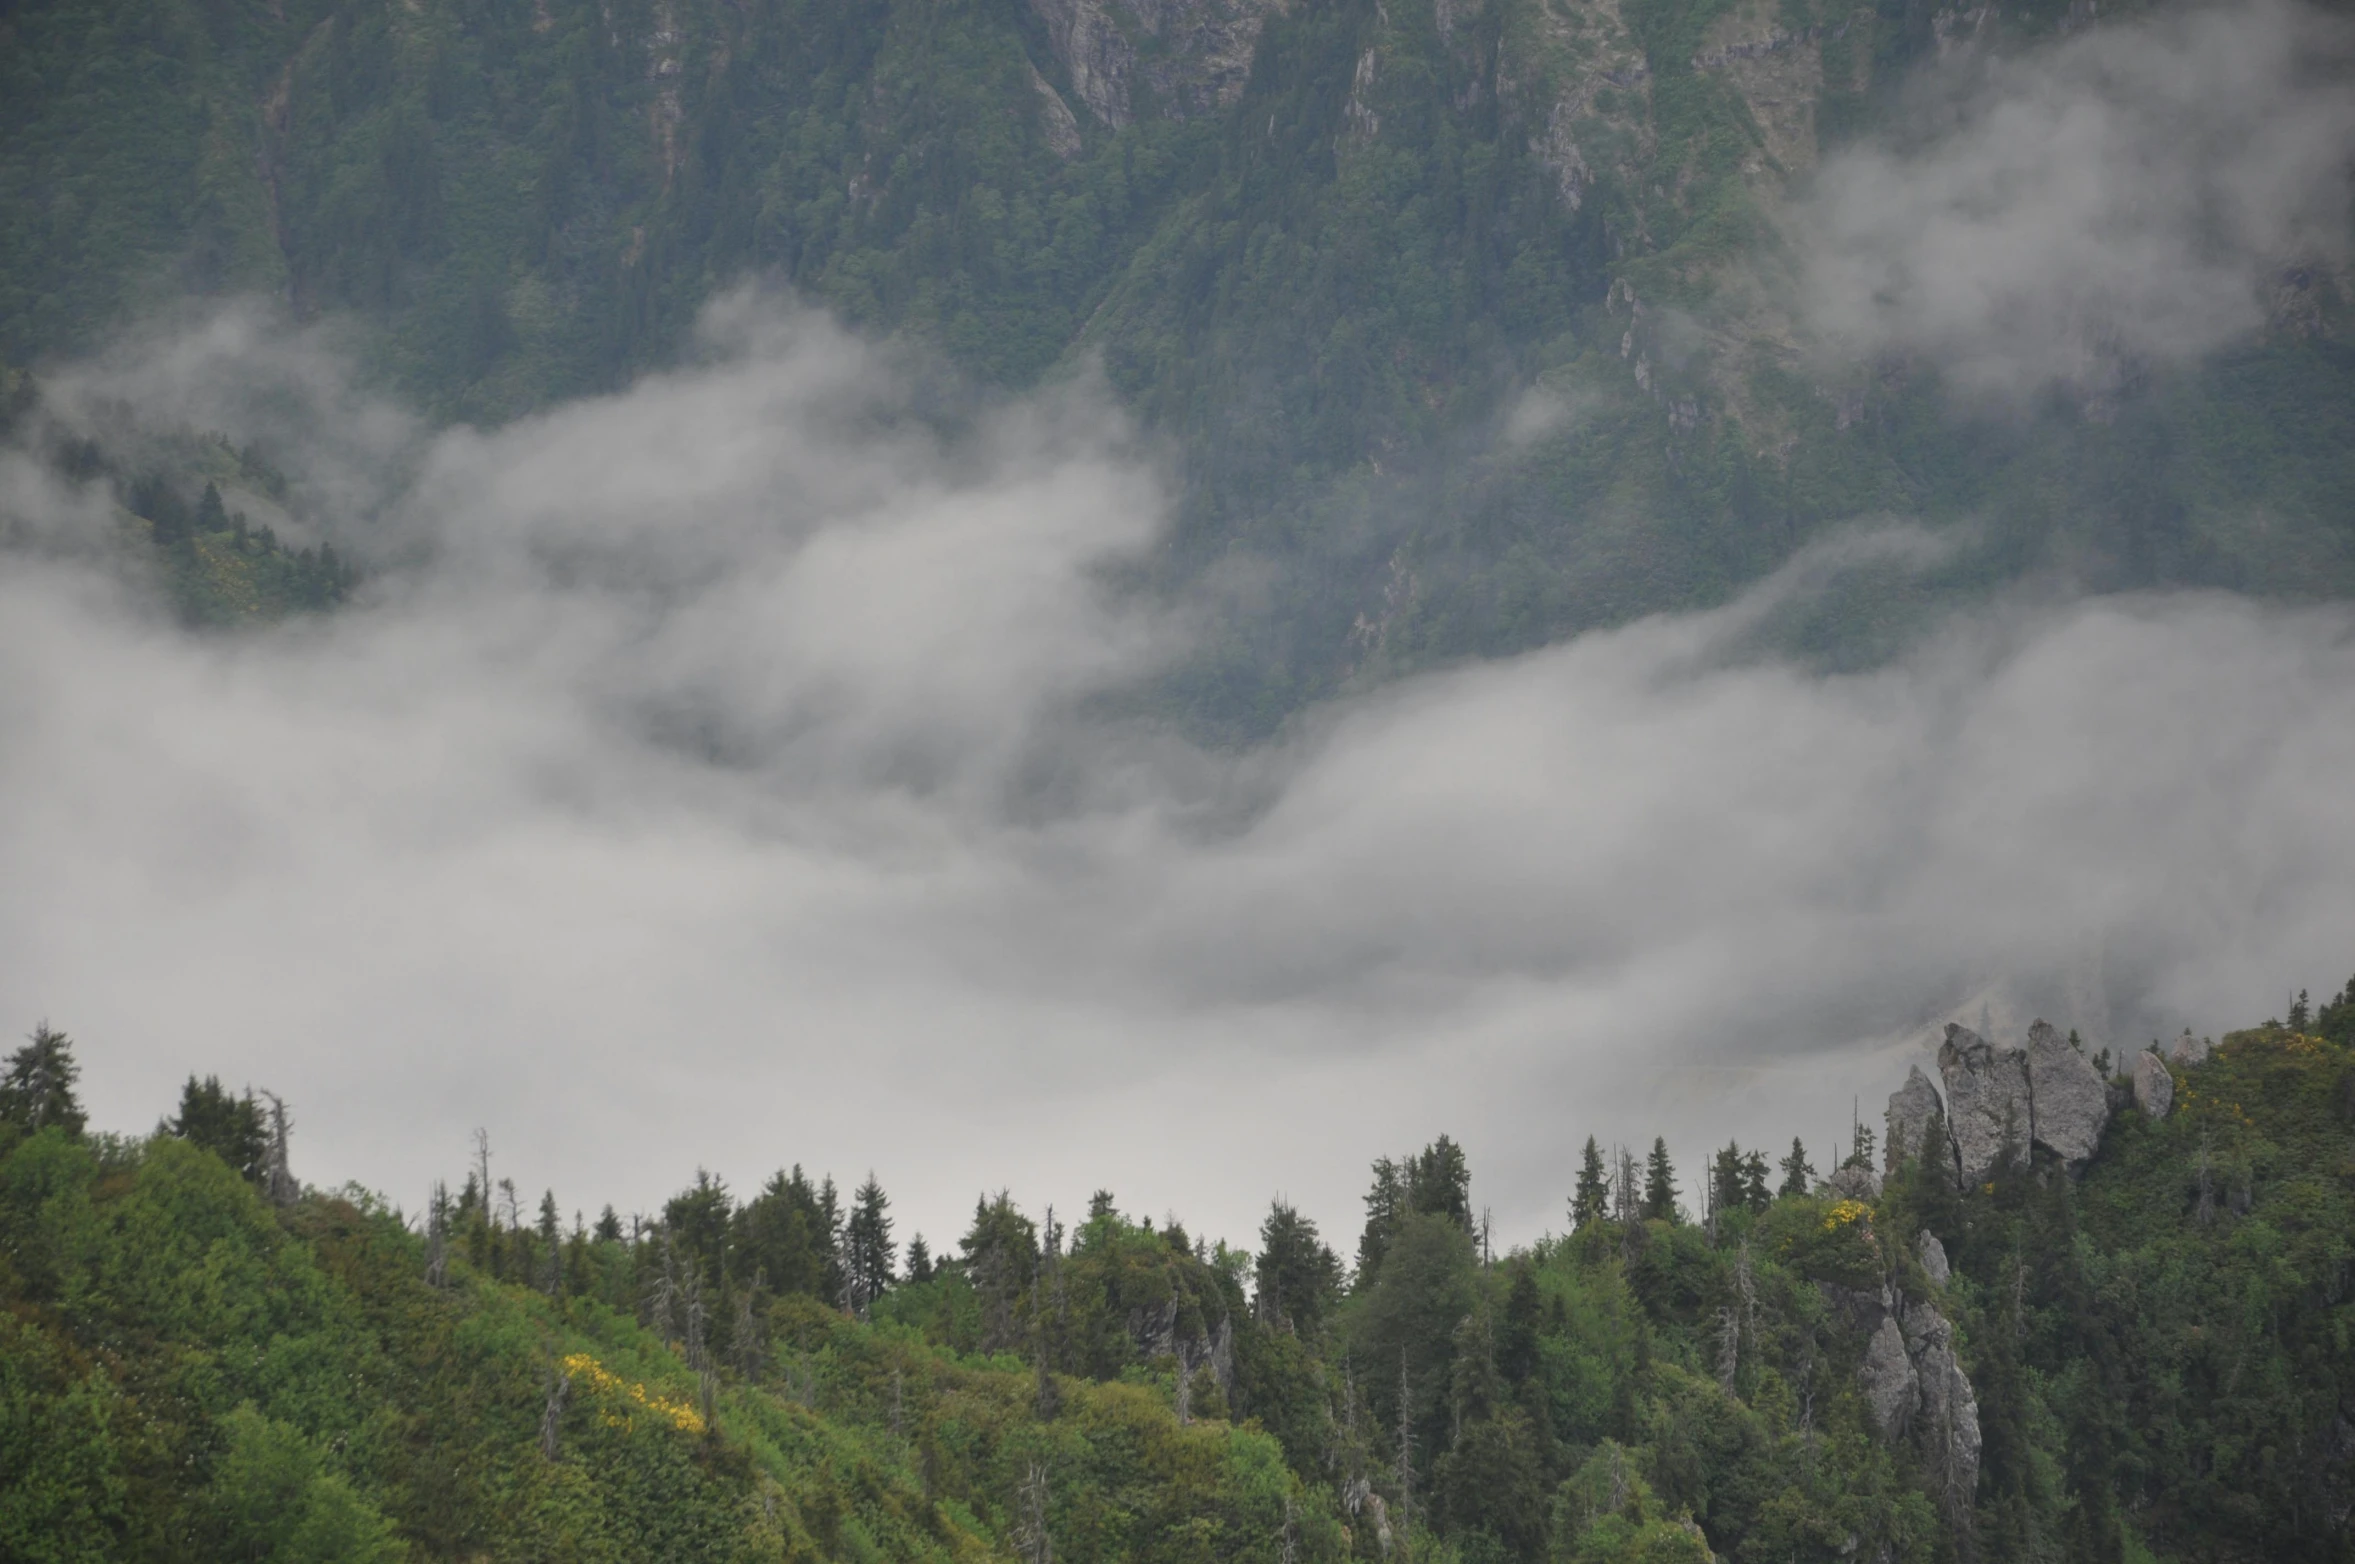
<point x="2133" y="193"/>
<point x="716" y="773"/>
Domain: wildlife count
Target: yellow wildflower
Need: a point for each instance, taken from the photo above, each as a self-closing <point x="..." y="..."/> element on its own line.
<point x="605" y="1382"/>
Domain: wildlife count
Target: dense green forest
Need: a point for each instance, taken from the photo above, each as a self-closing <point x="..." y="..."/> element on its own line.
<point x="2143" y="1352"/>
<point x="1329" y="250"/>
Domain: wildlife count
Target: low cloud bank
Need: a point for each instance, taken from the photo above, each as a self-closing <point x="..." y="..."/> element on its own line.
<point x="2138" y="193"/>
<point x="716" y="773"/>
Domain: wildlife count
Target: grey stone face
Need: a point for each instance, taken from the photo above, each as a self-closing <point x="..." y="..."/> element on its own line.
<point x="1911" y="1108"/>
<point x="1987" y="1100"/>
<point x="2190" y="1050"/>
<point x="1949" y="1420"/>
<point x="1193" y="57"/>
<point x="1855" y="1184"/>
<point x="1891" y="1388"/>
<point x="2154" y="1088"/>
<point x="2070" y="1102"/>
<point x="1933" y="1257"/>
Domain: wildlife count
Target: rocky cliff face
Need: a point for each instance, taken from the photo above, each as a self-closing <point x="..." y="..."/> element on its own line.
<point x="2046" y="1093"/>
<point x="1177" y="59"/>
<point x="2068" y="1102"/>
<point x="1917" y="1388"/>
<point x="1912" y="1109"/>
<point x="2154" y="1087"/>
<point x="1986" y="1101"/>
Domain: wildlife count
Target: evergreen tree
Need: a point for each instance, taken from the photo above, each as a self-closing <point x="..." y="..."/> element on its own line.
<point x="154" y="498"/>
<point x="551" y="1245"/>
<point x="1798" y="1172"/>
<point x="228" y="1127"/>
<point x="699" y="1219"/>
<point x="830" y="1223"/>
<point x="1590" y="1201"/>
<point x="869" y="1256"/>
<point x="211" y="515"/>
<point x="1100" y="1206"/>
<point x="1439" y="1182"/>
<point x="1755" y="1193"/>
<point x="1659" y="1184"/>
<point x="2336" y="1020"/>
<point x="782" y="1235"/>
<point x="1385" y="1204"/>
<point x="1516" y="1344"/>
<point x="919" y="1261"/>
<point x="1725" y="1181"/>
<point x="1001" y="1256"/>
<point x="37" y="1092"/>
<point x="1298" y="1276"/>
<point x="608" y="1229"/>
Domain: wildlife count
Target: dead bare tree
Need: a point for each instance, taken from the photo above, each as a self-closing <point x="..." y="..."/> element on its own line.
<point x="1030" y="1524"/>
<point x="1406" y="1461"/>
<point x="747" y="1337"/>
<point x="437" y="1236"/>
<point x="692" y="1287"/>
<point x="662" y="1303"/>
<point x="278" y="1184"/>
<point x="552" y="1415"/>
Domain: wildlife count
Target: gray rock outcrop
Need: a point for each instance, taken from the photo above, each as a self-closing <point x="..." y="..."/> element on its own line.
<point x="1986" y="1101"/>
<point x="1932" y="1254"/>
<point x="1916" y="1388"/>
<point x="1181" y="58"/>
<point x="1912" y="1108"/>
<point x="2154" y="1088"/>
<point x="1855" y="1183"/>
<point x="2190" y="1050"/>
<point x="1948" y="1422"/>
<point x="2068" y="1102"/>
<point x="1891" y="1386"/>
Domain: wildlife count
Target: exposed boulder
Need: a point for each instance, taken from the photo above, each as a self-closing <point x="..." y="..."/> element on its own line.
<point x="2069" y="1104"/>
<point x="1855" y="1182"/>
<point x="1891" y="1387"/>
<point x="1987" y="1100"/>
<point x="1915" y="1387"/>
<point x="2190" y="1050"/>
<point x="1177" y="59"/>
<point x="1948" y="1424"/>
<point x="1912" y="1109"/>
<point x="1933" y="1257"/>
<point x="2154" y="1088"/>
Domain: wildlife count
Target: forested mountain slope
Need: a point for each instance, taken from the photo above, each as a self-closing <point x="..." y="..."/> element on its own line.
<point x="1471" y="325"/>
<point x="2120" y="1343"/>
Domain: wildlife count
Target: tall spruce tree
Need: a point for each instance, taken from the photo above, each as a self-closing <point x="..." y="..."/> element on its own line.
<point x="1798" y="1172"/>
<point x="869" y="1256"/>
<point x="1439" y="1182"/>
<point x="1385" y="1204"/>
<point x="1659" y="1184"/>
<point x="1590" y="1201"/>
<point x="37" y="1093"/>
<point x="1755" y="1193"/>
<point x="1298" y="1275"/>
<point x="1725" y="1181"/>
<point x="230" y="1127"/>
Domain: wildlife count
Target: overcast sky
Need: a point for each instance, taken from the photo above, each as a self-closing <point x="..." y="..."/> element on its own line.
<point x="712" y="774"/>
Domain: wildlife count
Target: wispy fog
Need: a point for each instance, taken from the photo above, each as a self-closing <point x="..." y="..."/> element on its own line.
<point x="2143" y="191"/>
<point x="719" y="773"/>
